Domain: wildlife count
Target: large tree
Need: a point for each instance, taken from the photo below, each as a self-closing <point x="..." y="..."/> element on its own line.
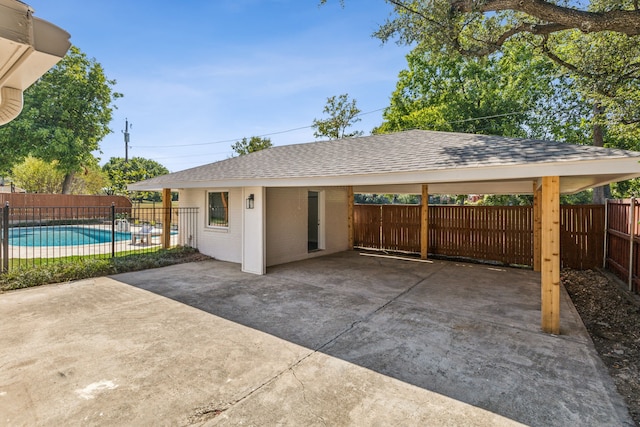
<point x="121" y="173"/>
<point x="514" y="94"/>
<point x="38" y="176"/>
<point x="66" y="114"/>
<point x="595" y="43"/>
<point x="343" y="113"/>
<point x="482" y="27"/>
<point x="246" y="146"/>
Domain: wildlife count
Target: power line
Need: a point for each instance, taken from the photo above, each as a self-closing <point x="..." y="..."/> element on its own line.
<point x="222" y="141"/>
<point x="488" y="117"/>
<point x="310" y="126"/>
<point x="238" y="139"/>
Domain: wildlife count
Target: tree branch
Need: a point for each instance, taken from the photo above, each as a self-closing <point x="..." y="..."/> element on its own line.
<point x="403" y="6"/>
<point x="495" y="45"/>
<point x="622" y="21"/>
<point x="569" y="66"/>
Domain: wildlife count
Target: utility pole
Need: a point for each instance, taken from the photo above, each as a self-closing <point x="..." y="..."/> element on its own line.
<point x="126" y="140"/>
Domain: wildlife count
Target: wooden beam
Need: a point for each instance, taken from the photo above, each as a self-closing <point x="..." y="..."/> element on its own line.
<point x="537" y="226"/>
<point x="550" y="276"/>
<point x="166" y="218"/>
<point x="350" y="202"/>
<point x="424" y="222"/>
<point x="632" y="233"/>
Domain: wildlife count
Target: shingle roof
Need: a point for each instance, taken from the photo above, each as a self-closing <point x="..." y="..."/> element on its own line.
<point x="409" y="151"/>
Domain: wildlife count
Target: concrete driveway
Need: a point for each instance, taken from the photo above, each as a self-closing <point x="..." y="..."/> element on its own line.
<point x="339" y="340"/>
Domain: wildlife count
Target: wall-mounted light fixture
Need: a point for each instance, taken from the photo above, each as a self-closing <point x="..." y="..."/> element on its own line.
<point x="250" y="201"/>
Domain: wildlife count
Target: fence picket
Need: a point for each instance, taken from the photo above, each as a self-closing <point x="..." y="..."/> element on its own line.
<point x="493" y="233"/>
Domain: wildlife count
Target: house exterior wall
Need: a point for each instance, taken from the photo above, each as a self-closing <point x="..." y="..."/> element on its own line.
<point x="287" y="223"/>
<point x="253" y="232"/>
<point x="223" y="243"/>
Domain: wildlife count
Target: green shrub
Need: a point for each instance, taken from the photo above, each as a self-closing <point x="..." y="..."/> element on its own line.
<point x="83" y="268"/>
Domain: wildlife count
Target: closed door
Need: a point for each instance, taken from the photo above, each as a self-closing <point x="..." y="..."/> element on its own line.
<point x="313" y="221"/>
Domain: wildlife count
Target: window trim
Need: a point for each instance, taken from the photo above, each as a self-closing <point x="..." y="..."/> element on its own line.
<point x="207" y="224"/>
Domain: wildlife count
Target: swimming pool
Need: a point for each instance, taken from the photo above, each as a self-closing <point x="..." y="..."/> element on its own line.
<point x="62" y="235"/>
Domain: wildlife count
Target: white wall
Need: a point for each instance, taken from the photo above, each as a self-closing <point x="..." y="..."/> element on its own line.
<point x="253" y="245"/>
<point x="287" y="228"/>
<point x="224" y="244"/>
<point x="283" y="232"/>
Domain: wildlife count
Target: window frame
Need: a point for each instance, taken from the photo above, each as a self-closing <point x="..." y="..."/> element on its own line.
<point x="222" y="225"/>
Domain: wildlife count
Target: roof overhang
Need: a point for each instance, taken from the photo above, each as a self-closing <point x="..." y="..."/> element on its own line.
<point x="29" y="47"/>
<point x="509" y="179"/>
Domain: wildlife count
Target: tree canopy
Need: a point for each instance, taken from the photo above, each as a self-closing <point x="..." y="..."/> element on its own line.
<point x="38" y="176"/>
<point x="481" y="28"/>
<point x="343" y="113"/>
<point x="597" y="43"/>
<point x="246" y="146"/>
<point x="121" y="173"/>
<point x="595" y="46"/>
<point x="66" y="114"/>
<point x="516" y="93"/>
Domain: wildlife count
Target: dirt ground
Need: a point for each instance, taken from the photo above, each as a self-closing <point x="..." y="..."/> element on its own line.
<point x="612" y="317"/>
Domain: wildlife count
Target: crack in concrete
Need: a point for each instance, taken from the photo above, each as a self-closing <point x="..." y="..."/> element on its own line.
<point x="320" y="348"/>
<point x="304" y="397"/>
<point x="376" y="311"/>
<point x="269" y="381"/>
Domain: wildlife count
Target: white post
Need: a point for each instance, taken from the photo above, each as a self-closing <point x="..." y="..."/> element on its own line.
<point x="254" y="230"/>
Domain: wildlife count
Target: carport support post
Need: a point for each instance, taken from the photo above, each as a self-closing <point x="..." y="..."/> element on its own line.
<point x="166" y="218"/>
<point x="537" y="226"/>
<point x="254" y="249"/>
<point x="424" y="223"/>
<point x="550" y="276"/>
<point x="350" y="202"/>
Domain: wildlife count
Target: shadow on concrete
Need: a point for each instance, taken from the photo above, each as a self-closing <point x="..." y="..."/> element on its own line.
<point x="469" y="332"/>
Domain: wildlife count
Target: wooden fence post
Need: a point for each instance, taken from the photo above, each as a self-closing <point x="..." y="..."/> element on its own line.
<point x="632" y="232"/>
<point x="424" y="222"/>
<point x="606" y="233"/>
<point x="350" y="203"/>
<point x="537" y="227"/>
<point x="166" y="218"/>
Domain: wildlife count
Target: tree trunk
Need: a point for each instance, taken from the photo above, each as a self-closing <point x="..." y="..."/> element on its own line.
<point x="66" y="184"/>
<point x="600" y="194"/>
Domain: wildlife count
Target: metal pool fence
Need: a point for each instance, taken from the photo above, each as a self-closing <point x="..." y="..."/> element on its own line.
<point x="41" y="235"/>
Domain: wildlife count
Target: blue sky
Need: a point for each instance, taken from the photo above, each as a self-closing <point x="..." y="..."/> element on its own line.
<point x="198" y="75"/>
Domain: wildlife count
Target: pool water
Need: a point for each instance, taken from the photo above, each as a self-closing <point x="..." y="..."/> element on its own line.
<point x="63" y="235"/>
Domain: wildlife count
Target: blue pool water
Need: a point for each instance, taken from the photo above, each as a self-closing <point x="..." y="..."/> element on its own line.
<point x="63" y="235"/>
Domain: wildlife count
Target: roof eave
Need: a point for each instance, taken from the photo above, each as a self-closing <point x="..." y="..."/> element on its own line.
<point x="583" y="174"/>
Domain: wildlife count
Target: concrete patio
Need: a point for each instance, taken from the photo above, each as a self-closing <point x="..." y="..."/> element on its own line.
<point x="344" y="339"/>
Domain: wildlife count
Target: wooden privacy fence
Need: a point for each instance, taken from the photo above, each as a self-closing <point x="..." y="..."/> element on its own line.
<point x="28" y="200"/>
<point x="53" y="206"/>
<point x="623" y="241"/>
<point x="492" y="233"/>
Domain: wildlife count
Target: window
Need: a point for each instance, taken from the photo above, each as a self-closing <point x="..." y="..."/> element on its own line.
<point x="218" y="208"/>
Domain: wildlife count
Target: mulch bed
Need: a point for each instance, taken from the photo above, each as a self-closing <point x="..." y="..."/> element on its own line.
<point x="611" y="315"/>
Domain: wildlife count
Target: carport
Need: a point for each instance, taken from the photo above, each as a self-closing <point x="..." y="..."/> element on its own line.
<point x="417" y="162"/>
